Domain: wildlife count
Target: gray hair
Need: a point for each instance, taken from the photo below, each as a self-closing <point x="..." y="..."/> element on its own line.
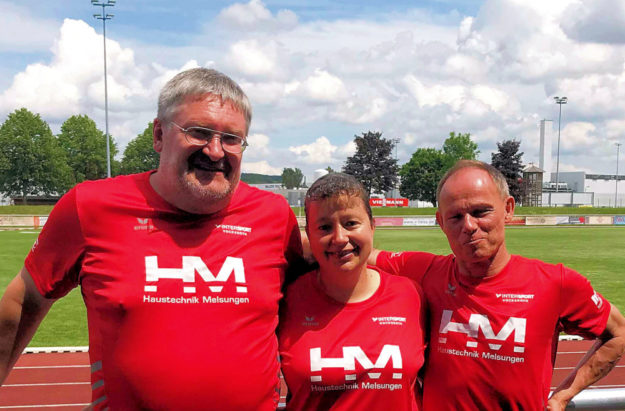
<point x="197" y="82"/>
<point x="498" y="178"/>
<point x="334" y="185"/>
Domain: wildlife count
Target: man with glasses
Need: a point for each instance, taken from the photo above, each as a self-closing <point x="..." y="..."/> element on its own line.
<point x="181" y="268"/>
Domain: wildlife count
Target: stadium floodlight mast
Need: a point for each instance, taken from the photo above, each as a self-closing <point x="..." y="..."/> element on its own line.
<point x="559" y="101"/>
<point x="618" y="148"/>
<point x="104" y="17"/>
<point x="396" y="141"/>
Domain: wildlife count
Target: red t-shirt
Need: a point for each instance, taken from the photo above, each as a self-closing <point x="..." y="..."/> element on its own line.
<point x="182" y="308"/>
<point x="492" y="341"/>
<point x="355" y="356"/>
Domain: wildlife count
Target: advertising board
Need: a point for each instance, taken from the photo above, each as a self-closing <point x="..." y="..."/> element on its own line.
<point x="388" y="221"/>
<point x="540" y="220"/>
<point x="420" y="222"/>
<point x="600" y="219"/>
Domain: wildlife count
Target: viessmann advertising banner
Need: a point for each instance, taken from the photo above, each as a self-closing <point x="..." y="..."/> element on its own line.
<point x="388" y="202"/>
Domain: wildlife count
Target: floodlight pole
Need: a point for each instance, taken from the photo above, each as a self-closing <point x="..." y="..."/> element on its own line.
<point x="618" y="147"/>
<point x="104" y="17"/>
<point x="396" y="141"/>
<point x="559" y="101"/>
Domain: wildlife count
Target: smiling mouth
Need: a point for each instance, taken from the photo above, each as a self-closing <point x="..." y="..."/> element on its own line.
<point x="344" y="254"/>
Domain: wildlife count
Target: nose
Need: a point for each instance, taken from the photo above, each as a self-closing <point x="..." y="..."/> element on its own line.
<point x="213" y="149"/>
<point x="469" y="224"/>
<point x="339" y="235"/>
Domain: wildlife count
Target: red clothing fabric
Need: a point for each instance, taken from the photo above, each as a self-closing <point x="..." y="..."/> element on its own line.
<point x="355" y="356"/>
<point x="182" y="308"/>
<point x="493" y="341"/>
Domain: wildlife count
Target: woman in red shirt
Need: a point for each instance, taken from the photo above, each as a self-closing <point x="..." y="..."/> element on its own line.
<point x="350" y="335"/>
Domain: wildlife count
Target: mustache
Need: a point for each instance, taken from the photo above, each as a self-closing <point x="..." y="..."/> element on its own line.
<point x="202" y="161"/>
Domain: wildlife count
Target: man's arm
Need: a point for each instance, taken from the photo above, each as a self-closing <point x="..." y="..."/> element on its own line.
<point x="21" y="310"/>
<point x="598" y="365"/>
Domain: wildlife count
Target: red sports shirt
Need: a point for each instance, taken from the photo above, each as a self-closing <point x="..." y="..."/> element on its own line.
<point x="493" y="340"/>
<point x="182" y="308"/>
<point x="355" y="356"/>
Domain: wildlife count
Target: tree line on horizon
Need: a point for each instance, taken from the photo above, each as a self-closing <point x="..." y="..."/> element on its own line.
<point x="35" y="162"/>
<point x="374" y="166"/>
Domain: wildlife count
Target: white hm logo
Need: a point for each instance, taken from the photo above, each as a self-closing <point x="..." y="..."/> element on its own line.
<point x="348" y="362"/>
<point x="480" y="321"/>
<point x="191" y="265"/>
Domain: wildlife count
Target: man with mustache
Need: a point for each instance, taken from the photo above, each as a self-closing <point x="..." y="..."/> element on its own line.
<point x="495" y="317"/>
<point x="181" y="268"/>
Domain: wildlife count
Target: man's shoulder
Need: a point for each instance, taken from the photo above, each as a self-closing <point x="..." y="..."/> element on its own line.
<point x="519" y="260"/>
<point x="123" y="183"/>
<point x="247" y="194"/>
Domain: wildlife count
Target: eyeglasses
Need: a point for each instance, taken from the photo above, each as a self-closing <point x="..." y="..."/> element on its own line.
<point x="201" y="136"/>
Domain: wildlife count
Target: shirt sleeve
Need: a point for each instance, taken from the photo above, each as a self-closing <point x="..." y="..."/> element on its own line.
<point x="411" y="264"/>
<point x="293" y="252"/>
<point x="583" y="311"/>
<point x="54" y="262"/>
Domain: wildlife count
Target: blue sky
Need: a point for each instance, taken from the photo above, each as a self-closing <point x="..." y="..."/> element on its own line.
<point x="320" y="72"/>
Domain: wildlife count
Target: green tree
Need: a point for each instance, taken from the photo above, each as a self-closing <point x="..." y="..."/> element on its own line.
<point x="373" y="164"/>
<point x="139" y="155"/>
<point x="85" y="147"/>
<point x="292" y="178"/>
<point x="420" y="175"/>
<point x="31" y="160"/>
<point x="507" y="159"/>
<point x="459" y="147"/>
<point x="330" y="170"/>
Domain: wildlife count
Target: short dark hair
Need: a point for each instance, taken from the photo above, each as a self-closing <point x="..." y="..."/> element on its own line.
<point x="498" y="178"/>
<point x="336" y="184"/>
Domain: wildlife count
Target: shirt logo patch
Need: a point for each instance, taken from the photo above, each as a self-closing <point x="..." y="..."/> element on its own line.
<point x="310" y="321"/>
<point x="234" y="229"/>
<point x="451" y="290"/>
<point x="597" y="300"/>
<point x="515" y="298"/>
<point x="392" y="320"/>
<point x="145" y="224"/>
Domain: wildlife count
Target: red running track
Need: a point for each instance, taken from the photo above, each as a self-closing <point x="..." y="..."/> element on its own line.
<point x="61" y="381"/>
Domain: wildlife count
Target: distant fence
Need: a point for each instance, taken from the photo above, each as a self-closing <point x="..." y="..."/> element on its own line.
<point x="30" y="221"/>
<point x="599" y="399"/>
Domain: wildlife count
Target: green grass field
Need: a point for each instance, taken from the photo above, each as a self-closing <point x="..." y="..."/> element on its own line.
<point x="596" y="252"/>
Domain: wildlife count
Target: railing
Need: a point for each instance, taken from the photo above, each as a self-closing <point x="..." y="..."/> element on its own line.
<point x="599" y="399"/>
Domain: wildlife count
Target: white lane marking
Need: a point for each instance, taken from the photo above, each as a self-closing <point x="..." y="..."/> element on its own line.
<point x="46" y="384"/>
<point x="32" y="367"/>
<point x="36" y="406"/>
<point x="572" y="368"/>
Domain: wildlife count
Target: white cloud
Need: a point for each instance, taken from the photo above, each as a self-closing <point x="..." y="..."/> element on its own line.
<point x="255" y="16"/>
<point x="259" y="145"/>
<point x="601" y="21"/>
<point x="324" y="87"/>
<point x="252" y="58"/>
<point x="319" y="152"/>
<point x="260" y="167"/>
